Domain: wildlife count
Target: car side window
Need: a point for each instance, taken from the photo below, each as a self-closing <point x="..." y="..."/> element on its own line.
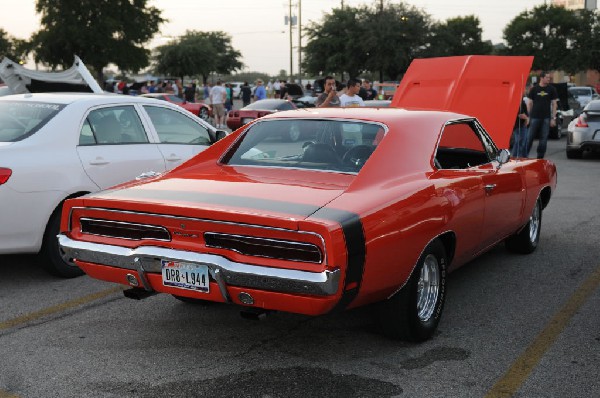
<point x="113" y="125"/>
<point x="462" y="146"/>
<point x="174" y="127"/>
<point x="286" y="106"/>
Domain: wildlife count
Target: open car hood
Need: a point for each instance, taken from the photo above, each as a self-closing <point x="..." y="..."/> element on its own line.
<point x="21" y="80"/>
<point x="487" y="87"/>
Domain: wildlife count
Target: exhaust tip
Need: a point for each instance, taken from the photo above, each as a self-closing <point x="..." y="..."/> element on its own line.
<point x="246" y="298"/>
<point x="132" y="280"/>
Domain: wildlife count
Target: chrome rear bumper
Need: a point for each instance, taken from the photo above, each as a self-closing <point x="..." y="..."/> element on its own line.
<point x="147" y="259"/>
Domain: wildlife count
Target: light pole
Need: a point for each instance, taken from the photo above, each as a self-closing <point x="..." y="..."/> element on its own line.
<point x="300" y="41"/>
<point x="291" y="46"/>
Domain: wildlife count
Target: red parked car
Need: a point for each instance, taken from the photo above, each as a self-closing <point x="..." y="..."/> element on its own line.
<point x="260" y="108"/>
<point x="377" y="206"/>
<point x="197" y="108"/>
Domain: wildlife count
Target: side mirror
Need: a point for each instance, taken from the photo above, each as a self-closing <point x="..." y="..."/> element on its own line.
<point x="220" y="134"/>
<point x="503" y="157"/>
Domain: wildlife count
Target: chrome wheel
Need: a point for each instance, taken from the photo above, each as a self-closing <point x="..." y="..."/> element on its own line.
<point x="534" y="223"/>
<point x="428" y="288"/>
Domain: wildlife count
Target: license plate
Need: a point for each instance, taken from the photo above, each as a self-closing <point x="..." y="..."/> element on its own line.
<point x="247" y="120"/>
<point x="185" y="275"/>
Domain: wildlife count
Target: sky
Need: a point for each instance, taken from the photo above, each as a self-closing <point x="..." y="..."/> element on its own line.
<point x="257" y="26"/>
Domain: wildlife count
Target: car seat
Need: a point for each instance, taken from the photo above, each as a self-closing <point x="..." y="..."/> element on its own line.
<point x="320" y="153"/>
<point x="108" y="130"/>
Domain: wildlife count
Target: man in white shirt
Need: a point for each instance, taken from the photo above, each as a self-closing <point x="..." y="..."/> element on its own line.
<point x="218" y="96"/>
<point x="351" y="97"/>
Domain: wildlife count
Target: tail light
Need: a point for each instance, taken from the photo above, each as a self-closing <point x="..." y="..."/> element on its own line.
<point x="581" y="121"/>
<point x="4" y="175"/>
<point x="263" y="247"/>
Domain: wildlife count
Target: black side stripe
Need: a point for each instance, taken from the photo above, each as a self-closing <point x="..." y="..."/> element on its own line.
<point x="298" y="209"/>
<point x="355" y="245"/>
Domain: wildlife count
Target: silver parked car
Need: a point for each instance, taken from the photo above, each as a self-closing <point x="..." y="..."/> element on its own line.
<point x="584" y="132"/>
<point x="583" y="94"/>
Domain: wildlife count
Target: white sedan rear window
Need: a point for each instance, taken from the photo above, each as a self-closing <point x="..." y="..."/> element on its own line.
<point x="19" y="120"/>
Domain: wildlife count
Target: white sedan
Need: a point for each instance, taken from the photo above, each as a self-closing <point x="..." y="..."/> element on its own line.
<point x="59" y="146"/>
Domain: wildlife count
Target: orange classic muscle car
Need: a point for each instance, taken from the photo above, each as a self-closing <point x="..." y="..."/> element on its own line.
<point x="375" y="206"/>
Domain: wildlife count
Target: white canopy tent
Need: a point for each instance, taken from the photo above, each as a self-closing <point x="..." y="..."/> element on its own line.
<point x="21" y="80"/>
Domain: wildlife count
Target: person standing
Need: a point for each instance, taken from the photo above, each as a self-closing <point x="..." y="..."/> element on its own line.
<point x="178" y="88"/>
<point x="218" y="96"/>
<point x="329" y="97"/>
<point x="190" y="92"/>
<point x="206" y="91"/>
<point x="351" y="98"/>
<point x="519" y="136"/>
<point x="367" y="92"/>
<point x="542" y="109"/>
<point x="260" y="92"/>
<point x="229" y="99"/>
<point x="246" y="93"/>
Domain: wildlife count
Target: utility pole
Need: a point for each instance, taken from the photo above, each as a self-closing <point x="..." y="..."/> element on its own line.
<point x="291" y="46"/>
<point x="300" y="41"/>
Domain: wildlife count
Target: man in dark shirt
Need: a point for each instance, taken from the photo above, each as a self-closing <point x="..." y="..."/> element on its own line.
<point x="246" y="93"/>
<point x="542" y="106"/>
<point x="367" y="92"/>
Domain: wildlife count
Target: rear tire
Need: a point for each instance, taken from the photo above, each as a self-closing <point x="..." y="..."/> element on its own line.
<point x="526" y="240"/>
<point x="414" y="312"/>
<point x="51" y="254"/>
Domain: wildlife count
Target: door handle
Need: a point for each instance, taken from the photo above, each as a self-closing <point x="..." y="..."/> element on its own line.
<point x="490" y="187"/>
<point x="99" y="162"/>
<point x="173" y="158"/>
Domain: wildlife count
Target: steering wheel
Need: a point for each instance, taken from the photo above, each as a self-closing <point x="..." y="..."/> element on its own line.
<point x="357" y="155"/>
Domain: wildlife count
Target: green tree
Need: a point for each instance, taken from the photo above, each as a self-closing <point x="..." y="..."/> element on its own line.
<point x="335" y="45"/>
<point x="586" y="43"/>
<point x="458" y="36"/>
<point x="11" y="47"/>
<point x="6" y="45"/>
<point x="100" y="32"/>
<point x="401" y="33"/>
<point x="198" y="53"/>
<point x="546" y="32"/>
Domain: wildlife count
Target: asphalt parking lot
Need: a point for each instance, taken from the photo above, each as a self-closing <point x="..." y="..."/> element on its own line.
<point x="513" y="325"/>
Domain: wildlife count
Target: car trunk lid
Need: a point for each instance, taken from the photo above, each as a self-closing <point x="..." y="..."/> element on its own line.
<point x="249" y="198"/>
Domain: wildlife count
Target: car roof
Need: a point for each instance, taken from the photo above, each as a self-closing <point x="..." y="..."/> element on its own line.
<point x="593" y="106"/>
<point x="69" y="98"/>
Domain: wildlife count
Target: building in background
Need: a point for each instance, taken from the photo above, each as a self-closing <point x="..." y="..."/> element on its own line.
<point x="576" y="4"/>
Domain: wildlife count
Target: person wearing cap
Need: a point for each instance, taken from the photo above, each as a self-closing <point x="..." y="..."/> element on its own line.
<point x="260" y="92"/>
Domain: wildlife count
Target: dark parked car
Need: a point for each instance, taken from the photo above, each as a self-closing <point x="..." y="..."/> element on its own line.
<point x="236" y="119"/>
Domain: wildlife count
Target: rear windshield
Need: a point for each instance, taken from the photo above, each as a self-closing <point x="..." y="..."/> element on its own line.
<point x="328" y="145"/>
<point x="19" y="120"/>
